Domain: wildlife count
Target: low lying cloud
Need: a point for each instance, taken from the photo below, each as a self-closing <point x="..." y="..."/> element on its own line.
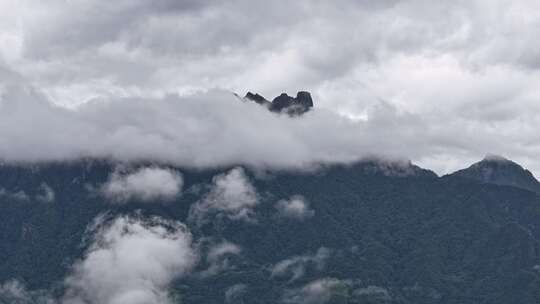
<point x="207" y="129"/>
<point x="294" y="268"/>
<point x="219" y="250"/>
<point x="231" y="195"/>
<point x="373" y="293"/>
<point x="15" y="292"/>
<point x="132" y="261"/>
<point x="46" y="194"/>
<point x="14" y="195"/>
<point x="12" y="289"/>
<point x="145" y="184"/>
<point x="324" y="290"/>
<point x="316" y="292"/>
<point x="215" y="128"/>
<point x="234" y="294"/>
<point x="218" y="258"/>
<point x="296" y="208"/>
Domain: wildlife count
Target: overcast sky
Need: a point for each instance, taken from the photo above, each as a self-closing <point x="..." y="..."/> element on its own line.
<point x="440" y="82"/>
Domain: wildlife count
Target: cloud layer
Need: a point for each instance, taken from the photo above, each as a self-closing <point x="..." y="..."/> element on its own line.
<point x="216" y="129"/>
<point x="442" y="83"/>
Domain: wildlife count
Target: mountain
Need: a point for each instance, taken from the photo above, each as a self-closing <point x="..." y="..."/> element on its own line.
<point x="370" y="232"/>
<point x="284" y="103"/>
<point x="500" y="171"/>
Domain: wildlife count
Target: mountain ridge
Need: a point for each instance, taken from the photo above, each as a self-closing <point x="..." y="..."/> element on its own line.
<point x="497" y="170"/>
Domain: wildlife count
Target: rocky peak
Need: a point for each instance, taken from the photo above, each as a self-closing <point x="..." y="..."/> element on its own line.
<point x="304" y="98"/>
<point x="284" y="103"/>
<point x="281" y="102"/>
<point x="256" y="98"/>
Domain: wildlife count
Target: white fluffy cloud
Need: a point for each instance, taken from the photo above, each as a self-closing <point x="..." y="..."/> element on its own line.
<point x="442" y="83"/>
<point x="131" y="261"/>
<point x="296" y="207"/>
<point x="210" y="129"/>
<point x="145" y="184"/>
<point x="231" y="195"/>
<point x="216" y="129"/>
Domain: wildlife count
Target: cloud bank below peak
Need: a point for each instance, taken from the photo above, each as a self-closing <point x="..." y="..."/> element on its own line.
<point x="215" y="128"/>
<point x="204" y="129"/>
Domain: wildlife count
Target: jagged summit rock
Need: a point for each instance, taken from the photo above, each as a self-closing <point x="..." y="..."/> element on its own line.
<point x="257" y="98"/>
<point x="304" y="97"/>
<point x="495" y="169"/>
<point x="281" y="102"/>
<point x="284" y="103"/>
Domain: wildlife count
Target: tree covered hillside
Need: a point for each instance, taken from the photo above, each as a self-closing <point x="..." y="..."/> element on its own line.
<point x="371" y="232"/>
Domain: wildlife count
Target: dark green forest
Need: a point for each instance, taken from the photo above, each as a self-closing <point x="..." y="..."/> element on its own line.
<point x="398" y="235"/>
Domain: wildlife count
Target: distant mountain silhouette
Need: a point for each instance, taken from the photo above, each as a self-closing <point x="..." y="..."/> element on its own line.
<point x="284" y="103"/>
<point x="498" y="170"/>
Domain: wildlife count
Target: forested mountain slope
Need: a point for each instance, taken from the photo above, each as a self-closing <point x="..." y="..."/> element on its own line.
<point x="372" y="232"/>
